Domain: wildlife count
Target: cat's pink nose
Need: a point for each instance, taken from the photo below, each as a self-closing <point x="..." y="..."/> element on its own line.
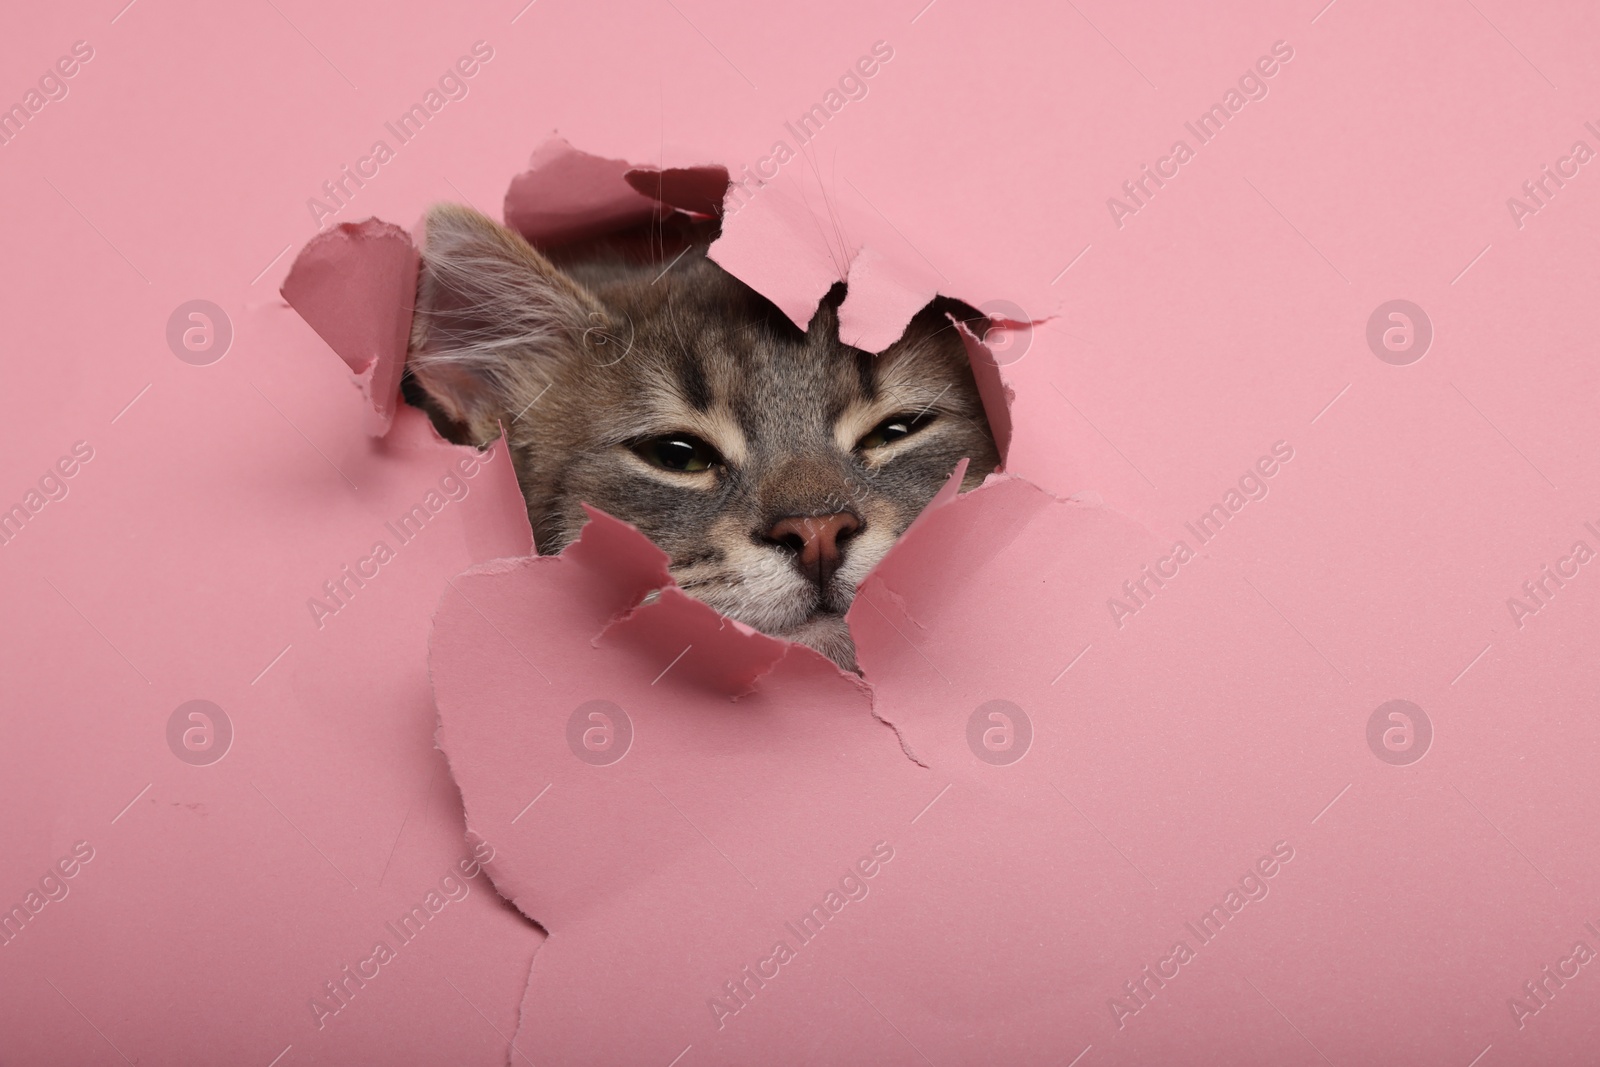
<point x="816" y="540"/>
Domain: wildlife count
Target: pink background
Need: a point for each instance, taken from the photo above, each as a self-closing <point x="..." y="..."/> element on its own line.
<point x="1227" y="314"/>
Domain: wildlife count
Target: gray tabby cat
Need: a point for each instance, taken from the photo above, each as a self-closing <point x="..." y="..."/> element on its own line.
<point x="775" y="467"/>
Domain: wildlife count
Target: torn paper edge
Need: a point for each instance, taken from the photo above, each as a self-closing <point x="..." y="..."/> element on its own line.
<point x="355" y="285"/>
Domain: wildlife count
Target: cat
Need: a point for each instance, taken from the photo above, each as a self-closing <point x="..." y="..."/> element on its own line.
<point x="774" y="466"/>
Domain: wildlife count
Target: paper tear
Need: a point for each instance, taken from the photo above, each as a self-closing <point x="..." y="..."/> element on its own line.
<point x="997" y="396"/>
<point x="621" y="566"/>
<point x="567" y="195"/>
<point x="947" y="492"/>
<point x="702" y="810"/>
<point x="515" y="1057"/>
<point x="498" y="622"/>
<point x="694" y="645"/>
<point x="899" y="735"/>
<point x="355" y="285"/>
<point x="884" y="293"/>
<point x="1006" y="504"/>
<point x="649" y="614"/>
<point x="697" y="190"/>
<point x="797" y="280"/>
<point x="624" y="589"/>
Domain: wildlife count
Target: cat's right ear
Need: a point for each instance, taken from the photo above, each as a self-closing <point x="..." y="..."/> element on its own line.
<point x="494" y="319"/>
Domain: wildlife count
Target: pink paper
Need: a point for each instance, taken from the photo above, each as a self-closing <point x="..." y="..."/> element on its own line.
<point x="566" y="194"/>
<point x="1338" y="349"/>
<point x="354" y="285"/>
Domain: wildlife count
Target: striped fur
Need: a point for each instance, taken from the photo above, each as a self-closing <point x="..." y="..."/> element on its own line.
<point x="582" y="361"/>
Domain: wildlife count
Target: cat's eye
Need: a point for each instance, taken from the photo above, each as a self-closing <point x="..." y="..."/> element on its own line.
<point x="893" y="429"/>
<point x="678" y="452"/>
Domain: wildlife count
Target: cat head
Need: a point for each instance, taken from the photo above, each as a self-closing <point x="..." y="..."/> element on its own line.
<point x="774" y="466"/>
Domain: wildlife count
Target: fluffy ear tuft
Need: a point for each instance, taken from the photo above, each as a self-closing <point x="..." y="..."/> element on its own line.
<point x="494" y="320"/>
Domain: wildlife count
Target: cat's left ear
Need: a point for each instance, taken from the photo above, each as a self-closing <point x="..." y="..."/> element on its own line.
<point x="494" y="320"/>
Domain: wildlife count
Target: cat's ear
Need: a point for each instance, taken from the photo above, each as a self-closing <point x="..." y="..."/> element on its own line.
<point x="494" y="319"/>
